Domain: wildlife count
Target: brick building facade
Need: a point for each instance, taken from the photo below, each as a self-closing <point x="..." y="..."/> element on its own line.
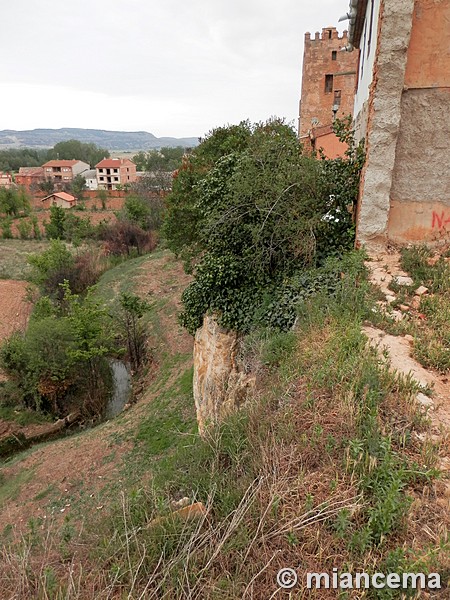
<point x="114" y="172"/>
<point x="63" y="171"/>
<point x="328" y="83"/>
<point x="30" y="177"/>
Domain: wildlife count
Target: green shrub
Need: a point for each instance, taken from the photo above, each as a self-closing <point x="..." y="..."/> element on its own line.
<point x="25" y="228"/>
<point x="55" y="229"/>
<point x="60" y="357"/>
<point x="56" y="265"/>
<point x="251" y="215"/>
<point x="6" y="229"/>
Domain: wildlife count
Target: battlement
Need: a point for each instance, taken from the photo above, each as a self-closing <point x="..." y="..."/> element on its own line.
<point x="328" y="33"/>
<point x="328" y="81"/>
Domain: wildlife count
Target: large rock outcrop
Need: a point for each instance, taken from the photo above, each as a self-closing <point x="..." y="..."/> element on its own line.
<point x="220" y="382"/>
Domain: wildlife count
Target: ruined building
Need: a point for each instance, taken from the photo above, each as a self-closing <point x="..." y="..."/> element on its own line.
<point x="328" y="89"/>
<point x="402" y="108"/>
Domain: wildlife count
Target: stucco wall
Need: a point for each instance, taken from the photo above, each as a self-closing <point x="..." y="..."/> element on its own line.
<point x="421" y="171"/>
<point x="429" y="49"/>
<point x="420" y="193"/>
<point x="331" y="146"/>
<point x="418" y="222"/>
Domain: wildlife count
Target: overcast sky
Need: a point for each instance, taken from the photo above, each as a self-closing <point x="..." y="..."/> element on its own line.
<point x="171" y="67"/>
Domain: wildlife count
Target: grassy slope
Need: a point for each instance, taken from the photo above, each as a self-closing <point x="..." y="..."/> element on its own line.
<point x="100" y="463"/>
<point x="323" y="469"/>
<point x="13" y="257"/>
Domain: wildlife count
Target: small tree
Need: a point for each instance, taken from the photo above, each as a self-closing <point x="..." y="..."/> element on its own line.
<point x="24" y="228"/>
<point x="56" y="228"/>
<point x="13" y="202"/>
<point x="36" y="230"/>
<point x="60" y="361"/>
<point x="50" y="268"/>
<point x="102" y="195"/>
<point x="79" y="186"/>
<point x="138" y="211"/>
<point x="133" y="309"/>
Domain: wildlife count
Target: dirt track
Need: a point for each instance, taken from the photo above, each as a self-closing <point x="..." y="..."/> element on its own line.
<point x="14" y="308"/>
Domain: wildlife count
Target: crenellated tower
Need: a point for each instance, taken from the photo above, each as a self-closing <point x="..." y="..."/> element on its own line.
<point x="329" y="79"/>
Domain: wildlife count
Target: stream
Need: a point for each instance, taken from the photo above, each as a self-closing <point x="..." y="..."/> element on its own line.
<point x="121" y="392"/>
<point x="121" y="388"/>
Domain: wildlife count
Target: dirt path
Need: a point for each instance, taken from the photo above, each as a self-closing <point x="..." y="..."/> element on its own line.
<point x="383" y="269"/>
<point x="86" y="463"/>
<point x="14" y="307"/>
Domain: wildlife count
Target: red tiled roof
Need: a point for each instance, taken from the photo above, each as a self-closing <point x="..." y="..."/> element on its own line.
<point x="31" y="171"/>
<point x="113" y="163"/>
<point x="62" y="196"/>
<point x="60" y="163"/>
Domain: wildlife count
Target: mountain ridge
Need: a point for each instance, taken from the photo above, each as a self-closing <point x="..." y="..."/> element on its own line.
<point x="109" y="139"/>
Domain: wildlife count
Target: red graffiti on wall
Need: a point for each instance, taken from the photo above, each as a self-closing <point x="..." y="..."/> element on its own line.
<point x="440" y="221"/>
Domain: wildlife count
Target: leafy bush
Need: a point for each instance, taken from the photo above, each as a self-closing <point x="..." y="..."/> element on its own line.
<point x="137" y="211"/>
<point x="132" y="309"/>
<point x="55" y="229"/>
<point x="6" y="228"/>
<point x="249" y="213"/>
<point x="13" y="202"/>
<point x="57" y="264"/>
<point x="145" y="208"/>
<point x="58" y="363"/>
<point x="123" y="237"/>
<point x="25" y="229"/>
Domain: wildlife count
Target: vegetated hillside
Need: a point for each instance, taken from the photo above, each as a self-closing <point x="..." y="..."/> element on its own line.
<point x="112" y="140"/>
<point x="324" y="468"/>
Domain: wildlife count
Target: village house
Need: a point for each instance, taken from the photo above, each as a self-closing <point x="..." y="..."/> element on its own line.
<point x="6" y="180"/>
<point x="91" y="179"/>
<point x="113" y="172"/>
<point x="30" y="177"/>
<point x="63" y="171"/>
<point x="328" y="90"/>
<point x="61" y="199"/>
<point x="401" y="108"/>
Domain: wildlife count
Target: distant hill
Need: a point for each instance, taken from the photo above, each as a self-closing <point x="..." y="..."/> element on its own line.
<point x="111" y="140"/>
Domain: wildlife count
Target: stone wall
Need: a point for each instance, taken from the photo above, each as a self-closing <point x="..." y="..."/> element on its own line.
<point x="384" y="121"/>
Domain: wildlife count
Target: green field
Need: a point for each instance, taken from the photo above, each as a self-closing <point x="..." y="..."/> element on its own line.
<point x="14" y="254"/>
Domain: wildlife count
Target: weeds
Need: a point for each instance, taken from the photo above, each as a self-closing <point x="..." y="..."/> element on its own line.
<point x="321" y="469"/>
<point x="432" y="331"/>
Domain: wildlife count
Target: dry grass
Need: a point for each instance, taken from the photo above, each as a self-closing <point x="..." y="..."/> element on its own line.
<point x="315" y="473"/>
<point x="14" y="255"/>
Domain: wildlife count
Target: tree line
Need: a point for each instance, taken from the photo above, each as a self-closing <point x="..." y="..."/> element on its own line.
<point x="13" y="158"/>
<point x="166" y="159"/>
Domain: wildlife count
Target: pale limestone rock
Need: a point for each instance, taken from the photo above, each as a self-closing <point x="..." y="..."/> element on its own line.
<point x="397" y="315"/>
<point x="415" y="302"/>
<point x="220" y="383"/>
<point x="403" y="280"/>
<point x="421" y="290"/>
<point x="424" y="400"/>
